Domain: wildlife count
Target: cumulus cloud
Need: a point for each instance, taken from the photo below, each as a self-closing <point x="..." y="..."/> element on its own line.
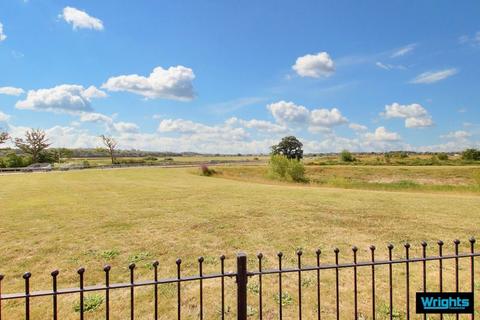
<point x="11" y="91"/>
<point x="382" y="134"/>
<point x="434" y="76"/>
<point x="317" y="119"/>
<point x="173" y="83"/>
<point x="4" y="117"/>
<point x="62" y="98"/>
<point x="288" y="112"/>
<point x="95" y="117"/>
<point x="197" y="130"/>
<point x="414" y="114"/>
<point x="315" y="66"/>
<point x="404" y="50"/>
<point x="458" y="135"/>
<point x="326" y="118"/>
<point x="260" y="125"/>
<point x="125" y="127"/>
<point x="3" y="36"/>
<point x="357" y="127"/>
<point x="80" y="19"/>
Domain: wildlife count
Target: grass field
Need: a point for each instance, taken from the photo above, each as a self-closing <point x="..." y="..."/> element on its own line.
<point x="88" y="218"/>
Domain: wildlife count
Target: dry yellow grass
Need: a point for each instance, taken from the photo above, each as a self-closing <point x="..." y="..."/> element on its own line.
<point x="87" y="218"/>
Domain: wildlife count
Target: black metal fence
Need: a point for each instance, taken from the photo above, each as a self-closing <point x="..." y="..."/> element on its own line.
<point x="243" y="274"/>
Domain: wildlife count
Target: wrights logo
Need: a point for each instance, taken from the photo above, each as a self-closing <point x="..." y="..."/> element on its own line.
<point x="444" y="302"/>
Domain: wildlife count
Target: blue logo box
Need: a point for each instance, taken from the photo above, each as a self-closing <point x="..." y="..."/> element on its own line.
<point x="444" y="302"/>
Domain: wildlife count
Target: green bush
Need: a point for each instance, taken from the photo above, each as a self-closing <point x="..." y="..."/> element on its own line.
<point x="280" y="167"/>
<point x="442" y="156"/>
<point x="12" y="160"/>
<point x="471" y="154"/>
<point x="206" y="171"/>
<point x="346" y="156"/>
<point x="90" y="303"/>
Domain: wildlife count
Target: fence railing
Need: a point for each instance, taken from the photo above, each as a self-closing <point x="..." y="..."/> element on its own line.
<point x="242" y="275"/>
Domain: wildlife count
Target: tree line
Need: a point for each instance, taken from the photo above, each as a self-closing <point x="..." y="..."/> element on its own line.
<point x="35" y="145"/>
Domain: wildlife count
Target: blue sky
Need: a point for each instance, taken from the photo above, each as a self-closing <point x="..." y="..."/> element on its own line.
<point x="235" y="76"/>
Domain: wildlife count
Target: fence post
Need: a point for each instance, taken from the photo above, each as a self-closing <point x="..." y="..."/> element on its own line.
<point x="242" y="286"/>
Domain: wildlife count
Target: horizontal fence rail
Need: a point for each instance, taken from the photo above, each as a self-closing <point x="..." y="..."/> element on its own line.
<point x="242" y="275"/>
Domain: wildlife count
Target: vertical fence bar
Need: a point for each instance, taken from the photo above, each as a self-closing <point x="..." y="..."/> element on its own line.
<point x="355" y="288"/>
<point x="81" y="271"/>
<point x="242" y="279"/>
<point x="440" y="268"/>
<point x="424" y="270"/>
<point x="222" y="270"/>
<point x="54" y="275"/>
<point x="390" y="280"/>
<point x="472" y="270"/>
<point x="131" y="266"/>
<point x="337" y="292"/>
<point x="456" y="242"/>
<point x="260" y="287"/>
<point x="1" y="278"/>
<point x="155" y="289"/>
<point x="299" y="255"/>
<point x="407" y="278"/>
<point x="200" y="269"/>
<point x="372" y="250"/>
<point x="179" y="301"/>
<point x="27" y="276"/>
<point x="107" y="269"/>
<point x="280" y="300"/>
<point x="319" y="310"/>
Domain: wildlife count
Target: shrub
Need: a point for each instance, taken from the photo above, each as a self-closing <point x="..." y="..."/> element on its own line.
<point x="12" y="160"/>
<point x="90" y="303"/>
<point x="206" y="171"/>
<point x="280" y="167"/>
<point x="442" y="156"/>
<point x="150" y="159"/>
<point x="85" y="164"/>
<point x="346" y="156"/>
<point x="471" y="154"/>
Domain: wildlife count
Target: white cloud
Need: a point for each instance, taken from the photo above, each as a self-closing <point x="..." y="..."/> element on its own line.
<point x="199" y="131"/>
<point x="474" y="39"/>
<point x="260" y="125"/>
<point x="80" y="19"/>
<point x="125" y="127"/>
<point x="317" y="120"/>
<point x="289" y="112"/>
<point x="3" y="36"/>
<point x="434" y="76"/>
<point x="4" y="117"/>
<point x="95" y="117"/>
<point x="403" y="51"/>
<point x="418" y="122"/>
<point x="414" y="114"/>
<point x="458" y="135"/>
<point x="11" y="91"/>
<point x="172" y="83"/>
<point x="387" y="66"/>
<point x="357" y="127"/>
<point x="62" y="98"/>
<point x="326" y="118"/>
<point x="315" y="66"/>
<point x="382" y="134"/>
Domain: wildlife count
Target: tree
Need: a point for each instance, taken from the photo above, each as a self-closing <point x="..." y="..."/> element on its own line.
<point x="59" y="153"/>
<point x="471" y="154"/>
<point x="346" y="156"/>
<point x="34" y="144"/>
<point x="3" y="137"/>
<point x="290" y="147"/>
<point x="111" y="145"/>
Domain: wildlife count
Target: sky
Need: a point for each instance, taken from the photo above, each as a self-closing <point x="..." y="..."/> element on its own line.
<point x="236" y="76"/>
